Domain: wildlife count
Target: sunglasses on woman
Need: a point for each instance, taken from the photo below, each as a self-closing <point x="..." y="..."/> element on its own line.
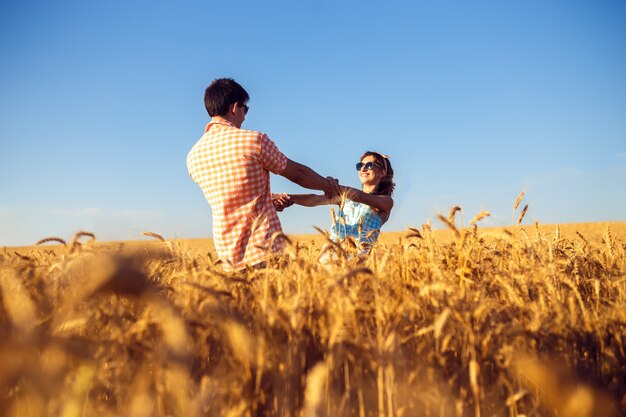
<point x="367" y="165"/>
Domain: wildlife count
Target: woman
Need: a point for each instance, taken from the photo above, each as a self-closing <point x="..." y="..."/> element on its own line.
<point x="361" y="212"/>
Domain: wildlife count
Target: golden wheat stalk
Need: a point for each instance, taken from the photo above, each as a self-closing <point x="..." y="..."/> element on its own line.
<point x="522" y="214"/>
<point x="75" y="239"/>
<point x="322" y="232"/>
<point x="582" y="238"/>
<point x="280" y="235"/>
<point x="452" y="213"/>
<point x="607" y="237"/>
<point x="24" y="257"/>
<point x="315" y="391"/>
<point x="82" y="233"/>
<point x="449" y="224"/>
<point x="209" y="290"/>
<point x="479" y="217"/>
<point x="360" y="231"/>
<point x="350" y="242"/>
<point x="334" y="245"/>
<point x="518" y="200"/>
<point x="51" y="239"/>
<point x="354" y="272"/>
<point x="474" y="371"/>
<point x="525" y="233"/>
<point x="515" y="205"/>
<point x="538" y="236"/>
<point x="372" y="233"/>
<point x="154" y="235"/>
<point x="413" y="232"/>
<point x="342" y="201"/>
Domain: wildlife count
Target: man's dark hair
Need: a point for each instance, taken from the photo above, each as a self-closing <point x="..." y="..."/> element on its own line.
<point x="221" y="94"/>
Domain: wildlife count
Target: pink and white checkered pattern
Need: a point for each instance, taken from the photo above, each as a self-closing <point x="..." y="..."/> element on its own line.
<point x="232" y="168"/>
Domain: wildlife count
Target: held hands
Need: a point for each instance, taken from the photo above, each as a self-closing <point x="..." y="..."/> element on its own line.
<point x="281" y="201"/>
<point x="333" y="189"/>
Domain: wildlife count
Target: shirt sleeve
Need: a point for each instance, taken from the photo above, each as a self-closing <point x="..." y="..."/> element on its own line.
<point x="270" y="157"/>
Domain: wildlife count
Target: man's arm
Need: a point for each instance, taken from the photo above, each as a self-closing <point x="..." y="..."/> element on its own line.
<point x="307" y="178"/>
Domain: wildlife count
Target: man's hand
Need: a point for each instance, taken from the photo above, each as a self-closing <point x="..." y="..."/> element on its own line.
<point x="333" y="189"/>
<point x="281" y="201"/>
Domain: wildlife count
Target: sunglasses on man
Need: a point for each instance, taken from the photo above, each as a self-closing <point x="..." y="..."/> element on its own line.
<point x="245" y="108"/>
<point x="367" y="165"/>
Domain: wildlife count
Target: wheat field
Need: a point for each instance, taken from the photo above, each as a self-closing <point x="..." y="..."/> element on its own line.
<point x="462" y="321"/>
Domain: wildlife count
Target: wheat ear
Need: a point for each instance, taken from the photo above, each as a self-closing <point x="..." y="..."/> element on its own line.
<point x="522" y="214"/>
<point x="517" y="201"/>
<point x="51" y="239"/>
<point x="154" y="235"/>
<point x="452" y="213"/>
<point x="479" y="217"/>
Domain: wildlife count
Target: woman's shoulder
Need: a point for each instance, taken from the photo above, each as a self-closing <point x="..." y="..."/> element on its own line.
<point x="358" y="203"/>
<point x="368" y="209"/>
<point x="362" y="207"/>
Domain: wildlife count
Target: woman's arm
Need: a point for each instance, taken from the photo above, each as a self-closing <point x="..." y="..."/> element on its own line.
<point x="382" y="203"/>
<point x="312" y="200"/>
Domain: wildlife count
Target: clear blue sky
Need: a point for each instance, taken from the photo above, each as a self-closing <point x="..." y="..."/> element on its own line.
<point x="474" y="101"/>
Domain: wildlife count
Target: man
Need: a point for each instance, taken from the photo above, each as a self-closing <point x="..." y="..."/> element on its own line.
<point x="232" y="165"/>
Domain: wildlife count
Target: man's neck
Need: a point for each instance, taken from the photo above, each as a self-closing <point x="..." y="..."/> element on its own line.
<point x="226" y="117"/>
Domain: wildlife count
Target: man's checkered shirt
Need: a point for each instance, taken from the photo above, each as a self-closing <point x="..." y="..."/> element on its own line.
<point x="232" y="168"/>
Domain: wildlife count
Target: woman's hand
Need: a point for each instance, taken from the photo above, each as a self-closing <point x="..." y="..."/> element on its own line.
<point x="281" y="201"/>
<point x="334" y="189"/>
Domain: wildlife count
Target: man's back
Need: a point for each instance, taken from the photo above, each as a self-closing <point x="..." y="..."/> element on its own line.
<point x="232" y="166"/>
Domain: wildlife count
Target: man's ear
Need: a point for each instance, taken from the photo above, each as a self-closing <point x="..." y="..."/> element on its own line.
<point x="232" y="109"/>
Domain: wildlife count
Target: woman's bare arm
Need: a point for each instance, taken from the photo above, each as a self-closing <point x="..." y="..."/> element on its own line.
<point x="382" y="203"/>
<point x="312" y="200"/>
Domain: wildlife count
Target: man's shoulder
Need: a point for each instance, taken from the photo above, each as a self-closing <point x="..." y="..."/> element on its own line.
<point x="232" y="132"/>
<point x="252" y="133"/>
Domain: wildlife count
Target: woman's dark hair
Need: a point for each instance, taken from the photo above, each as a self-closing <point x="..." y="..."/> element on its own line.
<point x="221" y="94"/>
<point x="386" y="185"/>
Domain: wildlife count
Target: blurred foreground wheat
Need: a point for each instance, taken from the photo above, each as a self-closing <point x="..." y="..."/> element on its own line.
<point x="509" y="322"/>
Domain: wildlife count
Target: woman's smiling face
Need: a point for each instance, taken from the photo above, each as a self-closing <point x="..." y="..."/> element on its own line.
<point x="371" y="177"/>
